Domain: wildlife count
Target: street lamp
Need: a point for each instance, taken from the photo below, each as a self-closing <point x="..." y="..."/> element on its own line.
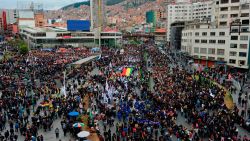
<point x="64" y="83"/>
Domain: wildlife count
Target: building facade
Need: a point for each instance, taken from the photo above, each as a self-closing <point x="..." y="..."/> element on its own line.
<point x="186" y="11"/>
<point x="49" y="37"/>
<point x="39" y="19"/>
<point x="225" y="40"/>
<point x="205" y="44"/>
<point x="26" y="18"/>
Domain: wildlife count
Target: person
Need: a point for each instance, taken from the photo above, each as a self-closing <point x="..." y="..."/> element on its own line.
<point x="57" y="132"/>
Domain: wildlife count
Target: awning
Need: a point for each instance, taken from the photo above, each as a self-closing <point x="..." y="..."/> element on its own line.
<point x="85" y="60"/>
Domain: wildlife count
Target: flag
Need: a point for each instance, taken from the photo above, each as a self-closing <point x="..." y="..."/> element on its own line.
<point x="90" y="114"/>
<point x="127" y="71"/>
<point x="110" y="65"/>
<point x="106" y="86"/>
<point x="140" y="74"/>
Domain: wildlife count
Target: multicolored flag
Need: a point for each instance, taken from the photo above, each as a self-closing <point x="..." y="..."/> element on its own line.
<point x="127" y="71"/>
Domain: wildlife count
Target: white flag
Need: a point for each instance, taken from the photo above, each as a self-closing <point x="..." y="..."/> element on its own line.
<point x="106" y="86"/>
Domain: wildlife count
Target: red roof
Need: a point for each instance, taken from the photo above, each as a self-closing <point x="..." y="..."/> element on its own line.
<point x="109" y="29"/>
<point x="160" y="30"/>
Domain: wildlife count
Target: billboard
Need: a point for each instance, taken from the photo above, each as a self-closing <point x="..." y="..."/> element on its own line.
<point x="78" y="25"/>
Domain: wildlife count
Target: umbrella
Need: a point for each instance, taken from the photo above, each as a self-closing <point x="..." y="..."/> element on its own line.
<point x="83" y="134"/>
<point x="78" y="125"/>
<point x="73" y="114"/>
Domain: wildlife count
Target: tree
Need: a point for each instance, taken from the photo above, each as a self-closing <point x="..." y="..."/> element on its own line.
<point x="23" y="48"/>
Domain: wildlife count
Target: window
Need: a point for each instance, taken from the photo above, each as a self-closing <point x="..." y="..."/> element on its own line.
<point x="246" y="22"/>
<point x="224" y="9"/>
<point x="232" y="53"/>
<point x="244" y="29"/>
<point x="196" y="56"/>
<point x="196" y="33"/>
<point x="203" y="50"/>
<point x="212" y="41"/>
<point x="235" y="8"/>
<point x="234" y="37"/>
<point x="203" y="57"/>
<point x="220" y="59"/>
<point x="196" y="50"/>
<point x="234" y="15"/>
<point x="234" y="1"/>
<point x="234" y="30"/>
<point x="222" y="33"/>
<point x="211" y="58"/>
<point x="232" y="61"/>
<point x="197" y="41"/>
<point x="244" y="15"/>
<point x="204" y="33"/>
<point x="204" y="41"/>
<point x="242" y="54"/>
<point x="242" y="62"/>
<point x="233" y="45"/>
<point x="221" y="41"/>
<point x="243" y="46"/>
<point x="211" y="51"/>
<point x="212" y="33"/>
<point x="220" y="51"/>
<point x="243" y="38"/>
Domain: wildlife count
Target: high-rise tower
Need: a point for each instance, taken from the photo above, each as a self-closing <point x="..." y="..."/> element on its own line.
<point x="97" y="13"/>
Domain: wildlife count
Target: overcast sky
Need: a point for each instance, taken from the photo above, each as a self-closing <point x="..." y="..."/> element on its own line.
<point x="47" y="4"/>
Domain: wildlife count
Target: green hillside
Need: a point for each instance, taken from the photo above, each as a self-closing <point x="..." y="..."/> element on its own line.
<point x="113" y="2"/>
<point x="76" y="5"/>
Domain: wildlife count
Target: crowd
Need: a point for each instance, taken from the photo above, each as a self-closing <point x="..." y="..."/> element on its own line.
<point x="120" y="107"/>
<point x="151" y="115"/>
<point x="24" y="80"/>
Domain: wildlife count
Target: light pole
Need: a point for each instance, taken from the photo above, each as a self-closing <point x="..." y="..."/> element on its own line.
<point x="64" y="83"/>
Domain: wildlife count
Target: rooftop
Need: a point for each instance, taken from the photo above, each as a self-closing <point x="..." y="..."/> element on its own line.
<point x="45" y="29"/>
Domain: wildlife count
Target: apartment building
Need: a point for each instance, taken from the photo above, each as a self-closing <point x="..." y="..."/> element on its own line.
<point x="228" y="41"/>
<point x="205" y="45"/>
<point x="186" y="11"/>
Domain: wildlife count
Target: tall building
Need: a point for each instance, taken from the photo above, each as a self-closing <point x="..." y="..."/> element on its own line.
<point x="1" y="23"/>
<point x="97" y="13"/>
<point x="223" y="41"/>
<point x="184" y="10"/>
<point x="11" y="15"/>
<point x="4" y="20"/>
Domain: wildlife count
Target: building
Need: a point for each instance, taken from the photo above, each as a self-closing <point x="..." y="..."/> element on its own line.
<point x="4" y="20"/>
<point x="176" y="35"/>
<point x="204" y="43"/>
<point x="97" y="13"/>
<point x="39" y="19"/>
<point x="185" y="11"/>
<point x="11" y="15"/>
<point x="160" y="35"/>
<point x="226" y="40"/>
<point x="26" y="18"/>
<point x="49" y="37"/>
<point x="1" y="24"/>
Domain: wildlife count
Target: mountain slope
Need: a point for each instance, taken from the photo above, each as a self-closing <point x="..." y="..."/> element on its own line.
<point x="113" y="2"/>
<point x="76" y="5"/>
<point x="130" y="3"/>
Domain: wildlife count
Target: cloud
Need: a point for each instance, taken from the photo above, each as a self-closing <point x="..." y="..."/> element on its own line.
<point x="47" y="4"/>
